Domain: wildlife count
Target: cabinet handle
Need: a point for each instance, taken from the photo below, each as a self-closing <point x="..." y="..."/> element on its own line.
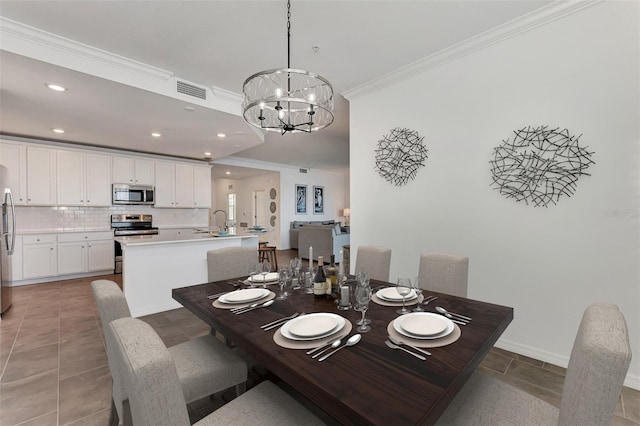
<point x="51" y="249"/>
<point x="28" y="199"/>
<point x="81" y="201"/>
<point x="81" y="246"/>
<point x="86" y="236"/>
<point x="37" y="239"/>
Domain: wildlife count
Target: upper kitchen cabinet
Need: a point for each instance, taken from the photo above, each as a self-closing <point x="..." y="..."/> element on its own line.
<point x="133" y="171"/>
<point x="14" y="158"/>
<point x="83" y="179"/>
<point x="41" y="176"/>
<point x="182" y="185"/>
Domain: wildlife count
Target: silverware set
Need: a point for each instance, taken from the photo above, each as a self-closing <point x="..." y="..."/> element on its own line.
<point x="335" y="345"/>
<point x="251" y="307"/>
<point x="217" y="295"/>
<point x="280" y="322"/>
<point x="429" y="299"/>
<point x="457" y="318"/>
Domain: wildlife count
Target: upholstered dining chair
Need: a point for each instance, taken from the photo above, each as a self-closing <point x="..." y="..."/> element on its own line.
<point x="204" y="365"/>
<point x="230" y="262"/>
<point x="375" y="260"/>
<point x="598" y="364"/>
<point x="152" y="382"/>
<point x="444" y="273"/>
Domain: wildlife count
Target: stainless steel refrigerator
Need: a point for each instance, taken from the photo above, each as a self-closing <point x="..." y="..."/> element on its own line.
<point x="8" y="241"/>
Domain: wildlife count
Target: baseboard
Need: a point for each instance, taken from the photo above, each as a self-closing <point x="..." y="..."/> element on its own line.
<point x="56" y="278"/>
<point x="631" y="381"/>
<point x="155" y="309"/>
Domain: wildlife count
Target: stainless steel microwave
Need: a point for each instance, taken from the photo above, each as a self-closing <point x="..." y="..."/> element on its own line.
<point x="133" y="194"/>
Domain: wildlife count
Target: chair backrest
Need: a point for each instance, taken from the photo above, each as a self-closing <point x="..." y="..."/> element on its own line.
<point x="598" y="364"/>
<point x="149" y="374"/>
<point x="444" y="273"/>
<point x="230" y="262"/>
<point x="112" y="305"/>
<point x="376" y="261"/>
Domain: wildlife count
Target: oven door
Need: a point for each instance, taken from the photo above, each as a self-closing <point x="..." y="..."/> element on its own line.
<point x="117" y="269"/>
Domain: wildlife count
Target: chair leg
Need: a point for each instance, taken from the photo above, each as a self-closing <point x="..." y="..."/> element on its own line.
<point x="113" y="415"/>
<point x="241" y="388"/>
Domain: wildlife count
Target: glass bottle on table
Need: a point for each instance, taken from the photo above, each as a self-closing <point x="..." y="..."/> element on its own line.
<point x="320" y="279"/>
<point x="332" y="274"/>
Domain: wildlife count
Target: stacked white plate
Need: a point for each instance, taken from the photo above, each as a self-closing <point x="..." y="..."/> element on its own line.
<point x="312" y="326"/>
<point x="390" y="294"/>
<point x="244" y="296"/>
<point x="423" y="325"/>
<point x="269" y="278"/>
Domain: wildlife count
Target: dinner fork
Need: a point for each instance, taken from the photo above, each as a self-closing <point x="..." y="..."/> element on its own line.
<point x="429" y="299"/>
<point x="394" y="346"/>
<point x="277" y="323"/>
<point x="217" y="295"/>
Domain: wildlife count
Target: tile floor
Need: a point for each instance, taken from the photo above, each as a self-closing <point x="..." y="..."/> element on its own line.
<point x="54" y="371"/>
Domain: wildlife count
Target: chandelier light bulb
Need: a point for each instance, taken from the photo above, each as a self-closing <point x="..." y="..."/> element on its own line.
<point x="279" y="92"/>
<point x="312" y="97"/>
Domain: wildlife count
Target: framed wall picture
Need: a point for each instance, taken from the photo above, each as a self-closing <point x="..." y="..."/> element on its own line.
<point x="301" y="199"/>
<point x="318" y="200"/>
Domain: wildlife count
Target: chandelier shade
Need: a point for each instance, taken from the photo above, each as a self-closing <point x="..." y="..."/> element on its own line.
<point x="287" y="99"/>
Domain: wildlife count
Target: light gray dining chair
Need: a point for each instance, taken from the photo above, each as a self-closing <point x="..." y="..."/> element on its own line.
<point x="444" y="273"/>
<point x="204" y="365"/>
<point x="375" y="260"/>
<point x="230" y="262"/>
<point x="598" y="364"/>
<point x="155" y="398"/>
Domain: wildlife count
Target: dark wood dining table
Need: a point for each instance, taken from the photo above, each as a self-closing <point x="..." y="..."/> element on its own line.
<point x="368" y="383"/>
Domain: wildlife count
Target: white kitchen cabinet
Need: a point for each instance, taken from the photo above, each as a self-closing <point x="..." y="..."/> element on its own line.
<point x="14" y="158"/>
<point x="202" y="186"/>
<point x="83" y="179"/>
<point x="80" y="252"/>
<point x="182" y="185"/>
<point x="39" y="256"/>
<point x="133" y="171"/>
<point x="41" y="176"/>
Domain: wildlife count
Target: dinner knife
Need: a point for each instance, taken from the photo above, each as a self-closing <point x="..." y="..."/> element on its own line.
<point x="277" y="322"/>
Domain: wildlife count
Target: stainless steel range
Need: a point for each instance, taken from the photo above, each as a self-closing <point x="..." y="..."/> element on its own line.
<point x="125" y="225"/>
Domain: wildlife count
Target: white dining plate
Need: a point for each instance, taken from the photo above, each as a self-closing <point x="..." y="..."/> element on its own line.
<point x="244" y="296"/>
<point x="259" y="278"/>
<point x="422" y="323"/>
<point x="312" y="326"/>
<point x="390" y="294"/>
<point x="285" y="329"/>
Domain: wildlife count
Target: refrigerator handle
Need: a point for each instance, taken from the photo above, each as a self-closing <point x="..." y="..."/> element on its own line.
<point x="8" y="196"/>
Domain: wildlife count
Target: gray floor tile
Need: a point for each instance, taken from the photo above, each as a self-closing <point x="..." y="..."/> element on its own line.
<point x="49" y="419"/>
<point x="631" y="401"/>
<point x="496" y="362"/>
<point x="82" y="353"/>
<point x="84" y="394"/>
<point x="101" y="418"/>
<point x="28" y="398"/>
<point x="23" y="364"/>
<point x="527" y="372"/>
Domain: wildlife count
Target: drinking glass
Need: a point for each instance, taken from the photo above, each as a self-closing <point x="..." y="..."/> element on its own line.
<point x="284" y="275"/>
<point x="415" y="284"/>
<point x="363" y="278"/>
<point x="254" y="268"/>
<point x="266" y="268"/>
<point x="362" y="297"/>
<point x="403" y="288"/>
<point x="295" y="264"/>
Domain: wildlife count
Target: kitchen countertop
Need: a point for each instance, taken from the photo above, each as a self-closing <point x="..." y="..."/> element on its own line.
<point x="136" y="240"/>
<point x="60" y="231"/>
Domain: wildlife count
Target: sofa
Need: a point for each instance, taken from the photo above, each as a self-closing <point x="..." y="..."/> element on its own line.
<point x="294" y="229"/>
<point x="326" y="241"/>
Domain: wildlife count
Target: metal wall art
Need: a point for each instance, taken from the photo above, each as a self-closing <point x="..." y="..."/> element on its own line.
<point x="539" y="166"/>
<point x="399" y="155"/>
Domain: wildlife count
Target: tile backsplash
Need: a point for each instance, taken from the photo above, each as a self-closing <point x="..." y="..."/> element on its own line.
<point x="62" y="218"/>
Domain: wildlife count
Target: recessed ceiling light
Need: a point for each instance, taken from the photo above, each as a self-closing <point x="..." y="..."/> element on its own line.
<point x="227" y="172"/>
<point x="222" y="135"/>
<point x="58" y="130"/>
<point x="56" y="87"/>
<point x="189" y="108"/>
<point x="207" y="154"/>
<point x="237" y="146"/>
<point x="156" y="134"/>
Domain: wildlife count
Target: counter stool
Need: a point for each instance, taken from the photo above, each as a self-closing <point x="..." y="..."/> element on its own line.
<point x="268" y="253"/>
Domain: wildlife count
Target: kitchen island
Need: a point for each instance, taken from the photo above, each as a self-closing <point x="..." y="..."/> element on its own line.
<point x="153" y="265"/>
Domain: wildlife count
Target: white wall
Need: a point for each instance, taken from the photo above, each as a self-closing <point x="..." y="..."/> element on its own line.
<point x="335" y="192"/>
<point x="579" y="72"/>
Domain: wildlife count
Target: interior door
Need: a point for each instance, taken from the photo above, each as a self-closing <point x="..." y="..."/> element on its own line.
<point x="260" y="208"/>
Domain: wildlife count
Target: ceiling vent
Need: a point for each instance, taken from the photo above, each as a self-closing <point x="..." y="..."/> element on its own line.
<point x="191" y="90"/>
<point x="304" y="171"/>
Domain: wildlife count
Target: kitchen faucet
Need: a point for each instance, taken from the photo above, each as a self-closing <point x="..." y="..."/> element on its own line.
<point x="225" y="227"/>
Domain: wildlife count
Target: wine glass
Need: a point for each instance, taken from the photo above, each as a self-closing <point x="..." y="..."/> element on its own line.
<point x="363" y="279"/>
<point x="266" y="268"/>
<point x="284" y="275"/>
<point x="254" y="268"/>
<point x="415" y="284"/>
<point x="362" y="297"/>
<point x="403" y="288"/>
<point x="294" y="265"/>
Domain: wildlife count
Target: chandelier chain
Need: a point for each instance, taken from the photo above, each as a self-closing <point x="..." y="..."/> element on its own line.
<point x="288" y="33"/>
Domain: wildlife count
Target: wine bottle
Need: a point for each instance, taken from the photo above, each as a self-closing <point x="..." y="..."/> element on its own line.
<point x="320" y="279"/>
<point x="332" y="274"/>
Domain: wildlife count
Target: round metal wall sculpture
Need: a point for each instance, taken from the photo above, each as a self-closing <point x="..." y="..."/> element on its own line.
<point x="399" y="155"/>
<point x="539" y="166"/>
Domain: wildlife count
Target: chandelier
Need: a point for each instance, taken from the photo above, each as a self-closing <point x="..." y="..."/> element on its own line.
<point x="286" y="99"/>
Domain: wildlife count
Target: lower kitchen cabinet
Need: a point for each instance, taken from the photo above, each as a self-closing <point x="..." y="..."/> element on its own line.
<point x="85" y="252"/>
<point x="39" y="256"/>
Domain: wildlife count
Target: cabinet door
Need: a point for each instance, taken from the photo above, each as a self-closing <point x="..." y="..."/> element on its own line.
<point x="70" y="182"/>
<point x="98" y="180"/>
<point x="184" y="186"/>
<point x="145" y="172"/>
<point x="202" y="187"/>
<point x="41" y="176"/>
<point x="38" y="260"/>
<point x="165" y="184"/>
<point x="72" y="257"/>
<point x="101" y="255"/>
<point x="14" y="158"/>
<point x="123" y="170"/>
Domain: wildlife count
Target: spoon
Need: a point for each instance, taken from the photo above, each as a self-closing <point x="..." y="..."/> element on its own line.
<point x="451" y="314"/>
<point x="255" y="306"/>
<point x="352" y="341"/>
<point x="332" y="345"/>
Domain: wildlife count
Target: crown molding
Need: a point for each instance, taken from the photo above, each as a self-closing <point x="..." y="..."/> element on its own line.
<point x="513" y="28"/>
<point x="24" y="40"/>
